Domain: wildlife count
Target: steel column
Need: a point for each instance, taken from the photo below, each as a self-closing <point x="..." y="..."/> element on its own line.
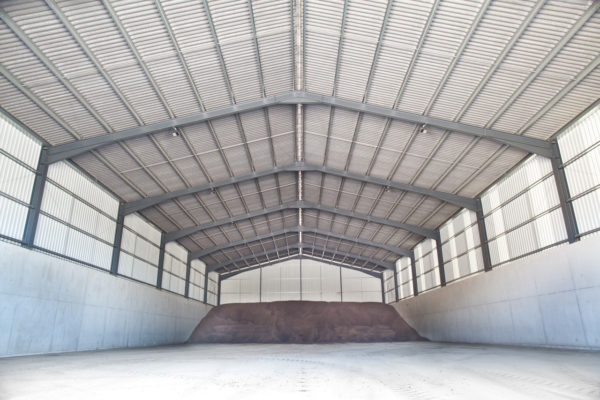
<point x="564" y="195"/>
<point x="116" y="254"/>
<point x="188" y="270"/>
<point x="440" y="256"/>
<point x="382" y="289"/>
<point x="483" y="238"/>
<point x="413" y="271"/>
<point x="205" y="285"/>
<point x="161" y="260"/>
<point x="218" y="290"/>
<point x="33" y="214"/>
<point x="396" y="281"/>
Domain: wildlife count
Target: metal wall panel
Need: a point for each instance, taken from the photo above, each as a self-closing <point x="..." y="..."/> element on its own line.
<point x="12" y="218"/>
<point x="426" y="261"/>
<point x="16" y="180"/>
<point x="580" y="149"/>
<point x="19" y="144"/>
<point x="19" y="154"/>
<point x="522" y="212"/>
<point x="320" y="282"/>
<point x="461" y="246"/>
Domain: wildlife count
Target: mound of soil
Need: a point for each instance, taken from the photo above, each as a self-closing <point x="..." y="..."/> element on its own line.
<point x="302" y="322"/>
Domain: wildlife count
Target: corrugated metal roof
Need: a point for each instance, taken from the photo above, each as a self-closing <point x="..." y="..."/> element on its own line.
<point x="75" y="70"/>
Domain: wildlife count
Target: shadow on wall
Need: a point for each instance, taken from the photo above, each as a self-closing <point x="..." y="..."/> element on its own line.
<point x="303" y="322"/>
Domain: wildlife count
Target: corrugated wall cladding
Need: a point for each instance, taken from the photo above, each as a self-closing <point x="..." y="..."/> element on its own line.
<point x="213" y="279"/>
<point x="461" y="246"/>
<point x="405" y="278"/>
<point x="522" y="212"/>
<point x="580" y="149"/>
<point x="426" y="259"/>
<point x="77" y="218"/>
<point x="197" y="271"/>
<point x="174" y="268"/>
<point x="139" y="250"/>
<point x="311" y="281"/>
<point x="388" y="286"/>
<point x="19" y="154"/>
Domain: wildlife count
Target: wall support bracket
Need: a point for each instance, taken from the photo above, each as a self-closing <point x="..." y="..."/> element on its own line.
<point x="114" y="263"/>
<point x="33" y="214"/>
<point x="161" y="260"/>
<point x="483" y="237"/>
<point x="413" y="271"/>
<point x="566" y="205"/>
<point x="440" y="256"/>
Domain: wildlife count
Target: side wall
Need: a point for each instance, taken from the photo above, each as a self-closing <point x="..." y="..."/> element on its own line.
<point x="50" y="305"/>
<point x="551" y="298"/>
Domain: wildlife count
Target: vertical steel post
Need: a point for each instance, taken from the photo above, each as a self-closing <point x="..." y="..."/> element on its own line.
<point x="413" y="271"/>
<point x="483" y="237"/>
<point x="218" y="290"/>
<point x="206" y="285"/>
<point x="33" y="214"/>
<point x="382" y="289"/>
<point x="341" y="286"/>
<point x="114" y="263"/>
<point x="440" y="256"/>
<point x="564" y="195"/>
<point x="161" y="260"/>
<point x="188" y="271"/>
<point x="396" y="281"/>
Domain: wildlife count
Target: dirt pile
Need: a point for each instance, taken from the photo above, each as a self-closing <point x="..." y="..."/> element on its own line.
<point x="302" y="322"/>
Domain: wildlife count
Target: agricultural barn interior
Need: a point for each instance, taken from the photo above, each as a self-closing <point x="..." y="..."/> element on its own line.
<point x="309" y="198"/>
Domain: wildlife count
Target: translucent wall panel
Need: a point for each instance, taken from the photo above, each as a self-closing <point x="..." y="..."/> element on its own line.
<point x="140" y="247"/>
<point x="405" y="277"/>
<point x="19" y="154"/>
<point x="197" y="271"/>
<point x="242" y="288"/>
<point x="522" y="212"/>
<point x="360" y="287"/>
<point x="280" y="281"/>
<point x="426" y="259"/>
<point x="213" y="280"/>
<point x="388" y="285"/>
<point x="320" y="281"/>
<point x="77" y="218"/>
<point x="313" y="281"/>
<point x="580" y="149"/>
<point x="174" y="268"/>
<point x="461" y="246"/>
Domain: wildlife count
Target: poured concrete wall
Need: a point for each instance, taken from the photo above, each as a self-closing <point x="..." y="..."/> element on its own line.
<point x="50" y="305"/>
<point x="549" y="299"/>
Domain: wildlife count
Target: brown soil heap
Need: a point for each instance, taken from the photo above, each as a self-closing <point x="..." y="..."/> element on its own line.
<point x="302" y="322"/>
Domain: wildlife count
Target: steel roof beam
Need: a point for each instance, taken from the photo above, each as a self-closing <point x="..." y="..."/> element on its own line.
<point x="303" y="257"/>
<point x="141" y="204"/>
<point x="175" y="235"/>
<point x="333" y="253"/>
<point x="457" y="200"/>
<point x="297" y="229"/>
<point x="296" y="246"/>
<point x="527" y="144"/>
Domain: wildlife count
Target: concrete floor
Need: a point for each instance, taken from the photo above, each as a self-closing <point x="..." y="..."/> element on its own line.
<point x="348" y="371"/>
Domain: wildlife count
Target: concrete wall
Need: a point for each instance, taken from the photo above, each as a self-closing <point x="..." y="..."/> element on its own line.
<point x="50" y="305"/>
<point x="549" y="299"/>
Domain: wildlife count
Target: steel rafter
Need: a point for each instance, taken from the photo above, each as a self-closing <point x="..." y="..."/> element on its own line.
<point x="527" y="144"/>
<point x="294" y="167"/>
<point x="292" y="247"/>
<point x="175" y="235"/>
<point x="297" y="229"/>
<point x="298" y="257"/>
